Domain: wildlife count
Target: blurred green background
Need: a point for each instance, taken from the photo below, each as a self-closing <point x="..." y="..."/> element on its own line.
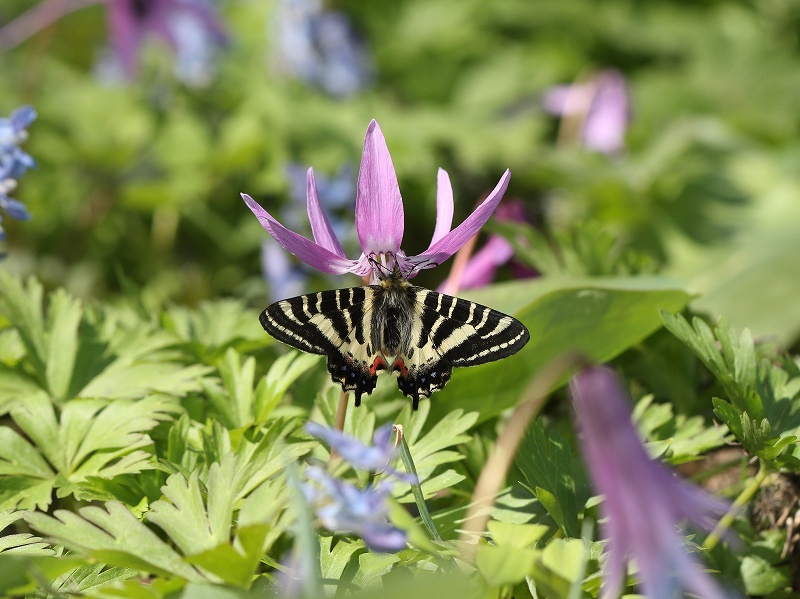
<point x="142" y="177"/>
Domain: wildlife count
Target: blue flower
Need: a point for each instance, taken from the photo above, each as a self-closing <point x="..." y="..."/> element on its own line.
<point x="14" y="161"/>
<point x="341" y="506"/>
<point x="374" y="458"/>
<point x="190" y="28"/>
<point x="320" y="47"/>
<point x="643" y="501"/>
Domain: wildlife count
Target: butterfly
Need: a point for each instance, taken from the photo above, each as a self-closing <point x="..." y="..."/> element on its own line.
<point x="395" y="326"/>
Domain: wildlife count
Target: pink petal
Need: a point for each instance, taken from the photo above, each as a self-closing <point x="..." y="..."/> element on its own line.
<point x="444" y="206"/>
<point x="306" y="250"/>
<point x="481" y="268"/>
<point x="320" y="225"/>
<point x="379" y="206"/>
<point x="450" y="243"/>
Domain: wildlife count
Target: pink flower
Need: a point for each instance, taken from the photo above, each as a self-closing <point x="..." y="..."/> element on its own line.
<point x="601" y="105"/>
<point x="643" y="501"/>
<point x="379" y="220"/>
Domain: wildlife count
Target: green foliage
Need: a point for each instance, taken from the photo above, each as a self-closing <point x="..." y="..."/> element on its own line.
<point x="759" y="406"/>
<point x="599" y="318"/>
<point x="152" y="449"/>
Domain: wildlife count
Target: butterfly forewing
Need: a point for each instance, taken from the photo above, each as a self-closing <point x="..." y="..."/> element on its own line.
<point x="333" y="323"/>
<point x="466" y="333"/>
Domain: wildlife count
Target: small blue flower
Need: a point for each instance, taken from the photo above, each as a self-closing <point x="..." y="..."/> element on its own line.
<point x="14" y="161"/>
<point x="320" y="47"/>
<point x="374" y="458"/>
<point x="192" y="29"/>
<point x="341" y="506"/>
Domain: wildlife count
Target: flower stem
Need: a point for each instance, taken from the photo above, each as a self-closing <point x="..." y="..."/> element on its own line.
<point x="416" y="489"/>
<point x="341" y="412"/>
<point x="744" y="497"/>
<point x="494" y="471"/>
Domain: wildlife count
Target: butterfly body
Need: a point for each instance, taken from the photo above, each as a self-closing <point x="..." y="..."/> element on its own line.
<point x="396" y="326"/>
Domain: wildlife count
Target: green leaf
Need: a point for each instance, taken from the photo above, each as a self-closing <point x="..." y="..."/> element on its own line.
<point x="22" y="543"/>
<point x="113" y="535"/>
<point x="430" y="450"/>
<point x="504" y="565"/>
<point x="215" y="327"/>
<point x="597" y="317"/>
<point x="63" y="318"/>
<point x="20" y="574"/>
<point x="94" y="438"/>
<point x="507" y="534"/>
<point x="545" y="461"/>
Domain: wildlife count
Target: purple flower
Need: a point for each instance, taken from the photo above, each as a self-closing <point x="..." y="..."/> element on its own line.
<point x="481" y="268"/>
<point x="602" y="107"/>
<point x="320" y="47"/>
<point x="14" y="161"/>
<point x="343" y="507"/>
<point x="643" y="501"/>
<point x="190" y="28"/>
<point x="379" y="220"/>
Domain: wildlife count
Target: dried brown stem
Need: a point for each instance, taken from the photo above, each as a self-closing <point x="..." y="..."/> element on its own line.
<point x="494" y="472"/>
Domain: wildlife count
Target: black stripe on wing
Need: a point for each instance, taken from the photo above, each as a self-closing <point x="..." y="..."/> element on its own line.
<point x="465" y="333"/>
<point x="290" y="320"/>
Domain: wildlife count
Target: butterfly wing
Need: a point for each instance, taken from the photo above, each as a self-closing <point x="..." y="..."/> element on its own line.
<point x="331" y="323"/>
<point x="454" y="332"/>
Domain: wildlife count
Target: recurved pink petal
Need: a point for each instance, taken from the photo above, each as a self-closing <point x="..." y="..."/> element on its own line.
<point x="444" y="206"/>
<point x="306" y="250"/>
<point x="320" y="225"/>
<point x="450" y="243"/>
<point x="379" y="206"/>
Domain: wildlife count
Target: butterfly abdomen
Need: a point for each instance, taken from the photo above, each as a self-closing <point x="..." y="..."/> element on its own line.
<point x="392" y="320"/>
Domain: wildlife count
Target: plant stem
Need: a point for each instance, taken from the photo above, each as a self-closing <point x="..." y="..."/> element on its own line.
<point x="744" y="497"/>
<point x="496" y="467"/>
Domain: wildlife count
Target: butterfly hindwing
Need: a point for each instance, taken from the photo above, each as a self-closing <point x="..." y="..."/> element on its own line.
<point x="452" y="332"/>
<point x="331" y="323"/>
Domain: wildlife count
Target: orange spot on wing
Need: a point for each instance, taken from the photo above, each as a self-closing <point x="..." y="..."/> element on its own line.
<point x="377" y="364"/>
<point x="400" y="366"/>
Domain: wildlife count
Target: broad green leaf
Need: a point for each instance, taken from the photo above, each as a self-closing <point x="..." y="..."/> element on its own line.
<point x="21" y="543"/>
<point x="225" y="562"/>
<point x="599" y="318"/>
<point x="546" y="463"/>
<point x="506" y="534"/>
<point x="504" y="565"/>
<point x="113" y="535"/>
